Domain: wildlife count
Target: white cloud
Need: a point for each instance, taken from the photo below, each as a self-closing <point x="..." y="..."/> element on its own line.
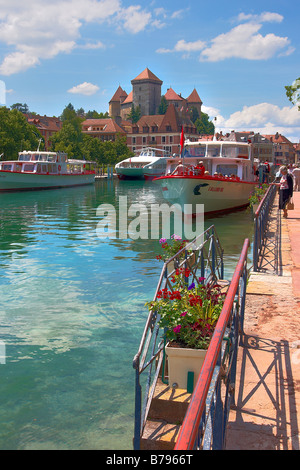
<point x="265" y="118"/>
<point x="183" y="46"/>
<point x="243" y="41"/>
<point x="38" y="29"/>
<point x="135" y="19"/>
<point x="84" y="88"/>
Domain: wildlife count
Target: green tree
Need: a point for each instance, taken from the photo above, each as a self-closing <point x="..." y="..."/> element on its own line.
<point x="194" y="114"/>
<point x="135" y="114"/>
<point x="204" y="126"/>
<point x="16" y="134"/>
<point x="163" y="106"/>
<point x="293" y="92"/>
<point x="23" y="108"/>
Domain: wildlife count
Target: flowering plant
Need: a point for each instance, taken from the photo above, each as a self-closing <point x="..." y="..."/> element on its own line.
<point x="188" y="312"/>
<point x="257" y="194"/>
<point x="171" y="248"/>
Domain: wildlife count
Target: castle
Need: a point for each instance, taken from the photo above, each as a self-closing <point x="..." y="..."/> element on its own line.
<point x="146" y="94"/>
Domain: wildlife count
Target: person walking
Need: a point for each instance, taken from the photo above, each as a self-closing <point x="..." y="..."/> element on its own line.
<point x="296" y="174"/>
<point x="285" y="189"/>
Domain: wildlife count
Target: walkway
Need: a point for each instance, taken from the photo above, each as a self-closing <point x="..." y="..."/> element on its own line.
<point x="266" y="415"/>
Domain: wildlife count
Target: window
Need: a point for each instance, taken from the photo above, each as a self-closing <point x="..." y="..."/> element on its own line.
<point x="28" y="168"/>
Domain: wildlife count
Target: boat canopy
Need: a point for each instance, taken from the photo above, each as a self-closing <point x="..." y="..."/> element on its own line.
<point x="216" y="149"/>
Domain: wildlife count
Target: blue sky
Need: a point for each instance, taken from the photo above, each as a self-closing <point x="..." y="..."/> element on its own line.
<point x="238" y="55"/>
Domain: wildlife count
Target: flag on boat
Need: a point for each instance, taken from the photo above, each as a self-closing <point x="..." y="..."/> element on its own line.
<point x="181" y="140"/>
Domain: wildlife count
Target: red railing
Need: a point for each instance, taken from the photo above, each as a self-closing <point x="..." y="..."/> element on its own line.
<point x="190" y="426"/>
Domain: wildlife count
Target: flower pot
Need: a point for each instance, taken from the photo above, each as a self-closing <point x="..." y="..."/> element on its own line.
<point x="181" y="361"/>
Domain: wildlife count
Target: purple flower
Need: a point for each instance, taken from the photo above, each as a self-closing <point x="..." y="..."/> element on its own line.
<point x="162" y="240"/>
<point x="176" y="237"/>
<point x="177" y="328"/>
<point x="191" y="286"/>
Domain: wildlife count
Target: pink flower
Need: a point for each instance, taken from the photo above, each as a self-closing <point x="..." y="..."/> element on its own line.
<point x="177" y="328"/>
<point x="183" y="314"/>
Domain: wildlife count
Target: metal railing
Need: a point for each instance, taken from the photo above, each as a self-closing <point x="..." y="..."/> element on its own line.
<point x="261" y="217"/>
<point x="205" y="422"/>
<point x="203" y="257"/>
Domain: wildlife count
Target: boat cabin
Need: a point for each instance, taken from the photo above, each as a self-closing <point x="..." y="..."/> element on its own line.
<point x="47" y="163"/>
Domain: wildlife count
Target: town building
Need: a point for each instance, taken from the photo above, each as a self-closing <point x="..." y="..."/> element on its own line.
<point x="46" y="125"/>
<point x="161" y="131"/>
<point x="102" y="129"/>
<point x="284" y="152"/>
<point x="262" y="147"/>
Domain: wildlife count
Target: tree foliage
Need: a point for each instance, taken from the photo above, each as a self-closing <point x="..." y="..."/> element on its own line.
<point x="293" y="92"/>
<point x="135" y="114"/>
<point x="16" y="134"/>
<point x="204" y="125"/>
<point x="71" y="140"/>
<point x="163" y="106"/>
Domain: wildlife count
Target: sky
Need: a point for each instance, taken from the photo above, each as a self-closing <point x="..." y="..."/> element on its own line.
<point x="238" y="55"/>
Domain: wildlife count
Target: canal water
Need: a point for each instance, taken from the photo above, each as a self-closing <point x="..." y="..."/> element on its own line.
<point x="72" y="314"/>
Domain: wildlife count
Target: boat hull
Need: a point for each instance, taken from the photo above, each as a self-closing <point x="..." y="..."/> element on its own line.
<point x="217" y="195"/>
<point x="13" y="181"/>
<point x="130" y="173"/>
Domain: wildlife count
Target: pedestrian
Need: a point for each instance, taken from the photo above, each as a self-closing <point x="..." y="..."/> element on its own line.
<point x="296" y="175"/>
<point x="285" y="189"/>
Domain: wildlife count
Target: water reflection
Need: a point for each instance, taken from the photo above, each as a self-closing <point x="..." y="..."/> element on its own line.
<point x="72" y="314"/>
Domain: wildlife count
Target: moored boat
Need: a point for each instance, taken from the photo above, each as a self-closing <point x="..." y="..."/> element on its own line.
<point x="44" y="170"/>
<point x="150" y="163"/>
<point x="222" y="182"/>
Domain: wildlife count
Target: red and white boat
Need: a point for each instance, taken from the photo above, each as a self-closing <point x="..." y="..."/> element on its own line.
<point x="224" y="184"/>
<point x="44" y="170"/>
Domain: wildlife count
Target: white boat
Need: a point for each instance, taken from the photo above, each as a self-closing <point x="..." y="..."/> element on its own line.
<point x="148" y="164"/>
<point x="44" y="170"/>
<point x="224" y="185"/>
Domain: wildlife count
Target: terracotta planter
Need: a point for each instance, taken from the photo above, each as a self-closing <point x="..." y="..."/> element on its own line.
<point x="181" y="361"/>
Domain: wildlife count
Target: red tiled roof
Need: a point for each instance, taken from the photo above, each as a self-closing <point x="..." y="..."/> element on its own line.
<point x="172" y="96"/>
<point x="278" y="138"/>
<point x="109" y="125"/>
<point x="128" y="99"/>
<point x="120" y="93"/>
<point x="147" y="75"/>
<point x="194" y="97"/>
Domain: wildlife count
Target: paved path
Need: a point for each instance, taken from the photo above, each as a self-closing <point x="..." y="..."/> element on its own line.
<point x="266" y="415"/>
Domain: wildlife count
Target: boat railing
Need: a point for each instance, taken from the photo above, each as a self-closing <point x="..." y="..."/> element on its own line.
<point x="261" y="218"/>
<point x="203" y="257"/>
<point x="205" y="422"/>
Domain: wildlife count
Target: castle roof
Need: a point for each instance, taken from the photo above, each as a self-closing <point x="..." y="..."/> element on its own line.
<point x="172" y="96"/>
<point x="194" y="97"/>
<point x="147" y="75"/>
<point x="128" y="99"/>
<point x="119" y="94"/>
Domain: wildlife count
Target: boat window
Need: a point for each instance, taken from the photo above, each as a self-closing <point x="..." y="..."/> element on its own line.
<point x="227" y="170"/>
<point x="44" y="168"/>
<point x="28" y="167"/>
<point x="38" y="168"/>
<point x="6" y="167"/>
<point x="213" y="151"/>
<point x="51" y="158"/>
<point x="24" y="158"/>
<point x="198" y="151"/>
<point x="34" y="158"/>
<point x="53" y="168"/>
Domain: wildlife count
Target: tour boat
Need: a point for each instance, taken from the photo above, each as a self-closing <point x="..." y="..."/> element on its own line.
<point x="148" y="164"/>
<point x="44" y="170"/>
<point x="224" y="182"/>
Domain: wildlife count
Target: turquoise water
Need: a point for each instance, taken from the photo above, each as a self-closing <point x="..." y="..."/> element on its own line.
<point x="72" y="314"/>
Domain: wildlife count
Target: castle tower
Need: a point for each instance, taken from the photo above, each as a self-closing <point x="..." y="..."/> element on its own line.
<point x="146" y="92"/>
<point x="115" y="103"/>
